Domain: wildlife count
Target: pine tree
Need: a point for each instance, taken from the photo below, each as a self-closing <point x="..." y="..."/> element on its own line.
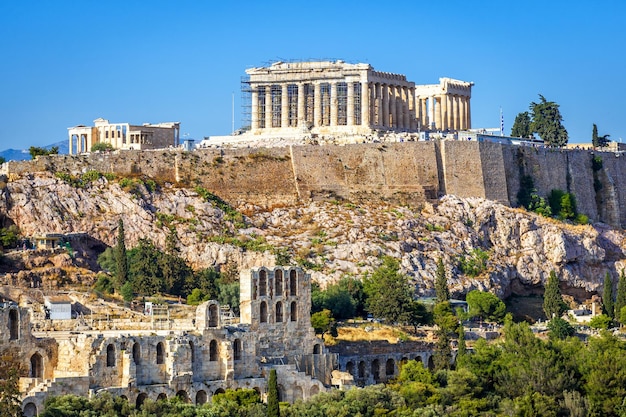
<point x="10" y="403"/>
<point x="521" y="126"/>
<point x="553" y="305"/>
<point x="462" y="347"/>
<point x="441" y="283"/>
<point x="594" y="136"/>
<point x="443" y="353"/>
<point x="607" y="296"/>
<point x="546" y="121"/>
<point x="121" y="260"/>
<point x="273" y="408"/>
<point x="620" y="300"/>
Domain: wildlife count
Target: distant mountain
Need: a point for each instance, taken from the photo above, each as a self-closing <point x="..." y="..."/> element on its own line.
<point x="23" y="155"/>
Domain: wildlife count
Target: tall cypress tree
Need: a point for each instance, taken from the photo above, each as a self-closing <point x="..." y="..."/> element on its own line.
<point x="273" y="408"/>
<point x="620" y="300"/>
<point x="553" y="304"/>
<point x="121" y="260"/>
<point x="607" y="296"/>
<point x="441" y="283"/>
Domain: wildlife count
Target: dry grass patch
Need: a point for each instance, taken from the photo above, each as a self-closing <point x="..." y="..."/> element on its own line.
<point x="369" y="332"/>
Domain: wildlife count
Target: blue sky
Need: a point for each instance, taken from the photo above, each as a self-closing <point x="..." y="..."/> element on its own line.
<point x="66" y="63"/>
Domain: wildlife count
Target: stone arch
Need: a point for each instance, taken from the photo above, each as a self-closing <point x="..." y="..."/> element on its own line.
<point x="375" y="370"/>
<point x="36" y="366"/>
<point x="237" y="349"/>
<point x="14" y="324"/>
<point x="136" y="353"/>
<point x="418" y="359"/>
<point x="362" y="369"/>
<point x="213" y="351"/>
<point x="214" y="315"/>
<point x="279" y="312"/>
<point x="281" y="393"/>
<point x="293" y="283"/>
<point x="162" y="397"/>
<point x="293" y="310"/>
<point x="317" y="349"/>
<point x="390" y="367"/>
<point x="258" y="390"/>
<point x="278" y="282"/>
<point x="298" y="394"/>
<point x="431" y="363"/>
<point x="125" y="398"/>
<point x="219" y="391"/>
<point x="263" y="312"/>
<point x="201" y="397"/>
<point x="192" y="350"/>
<point x="160" y="353"/>
<point x="110" y="355"/>
<point x="183" y="396"/>
<point x="30" y="410"/>
<point x="350" y="367"/>
<point x="314" y="390"/>
<point x="141" y="398"/>
<point x="262" y="283"/>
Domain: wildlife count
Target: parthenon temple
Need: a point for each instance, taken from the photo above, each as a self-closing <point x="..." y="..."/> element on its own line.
<point x="327" y="97"/>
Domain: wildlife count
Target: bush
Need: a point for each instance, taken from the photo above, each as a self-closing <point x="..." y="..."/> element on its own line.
<point x="102" y="147"/>
<point x="601" y="321"/>
<point x="474" y="263"/>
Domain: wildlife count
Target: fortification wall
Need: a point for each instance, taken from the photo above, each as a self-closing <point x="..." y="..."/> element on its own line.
<point x="401" y="172"/>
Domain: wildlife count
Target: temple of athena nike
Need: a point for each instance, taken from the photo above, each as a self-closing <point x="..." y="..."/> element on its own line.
<point x="338" y="98"/>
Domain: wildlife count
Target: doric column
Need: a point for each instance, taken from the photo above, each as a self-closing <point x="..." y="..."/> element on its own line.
<point x="468" y="113"/>
<point x="379" y="104"/>
<point x="284" y="106"/>
<point x="301" y="111"/>
<point x="462" y="111"/>
<point x="393" y="116"/>
<point x="444" y="111"/>
<point x="333" y="103"/>
<point x="268" y="107"/>
<point x="438" y="112"/>
<point x="254" y="119"/>
<point x="385" y="121"/>
<point x="424" y="121"/>
<point x="365" y="103"/>
<point x="350" y="109"/>
<point x="410" y="108"/>
<point x="317" y="108"/>
<point x="455" y="113"/>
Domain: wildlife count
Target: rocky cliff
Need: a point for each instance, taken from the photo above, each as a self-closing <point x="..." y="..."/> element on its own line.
<point x="331" y="238"/>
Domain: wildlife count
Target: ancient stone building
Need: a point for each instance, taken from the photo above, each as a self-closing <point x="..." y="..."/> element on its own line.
<point x="339" y="98"/>
<point x="123" y="136"/>
<point x="208" y="357"/>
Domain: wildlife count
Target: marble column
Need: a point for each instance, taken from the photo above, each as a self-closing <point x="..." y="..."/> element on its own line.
<point x="317" y="107"/>
<point x="385" y="121"/>
<point x="254" y="117"/>
<point x="365" y="103"/>
<point x="268" y="107"/>
<point x="350" y="103"/>
<point x="379" y="104"/>
<point x="468" y="118"/>
<point x="284" y="106"/>
<point x="333" y="103"/>
<point x="393" y="116"/>
<point x="455" y="113"/>
<point x="462" y="114"/>
<point x="444" y="111"/>
<point x="301" y="106"/>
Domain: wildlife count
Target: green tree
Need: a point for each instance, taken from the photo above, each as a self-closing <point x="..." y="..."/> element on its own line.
<point x="273" y="408"/>
<point x="389" y="294"/>
<point x="36" y="151"/>
<point x="127" y="291"/>
<point x="553" y="305"/>
<point x="102" y="147"/>
<point x="620" y="299"/>
<point x="486" y="306"/>
<point x="607" y="296"/>
<point x="622" y="315"/>
<point x="322" y="322"/>
<point x="599" y="141"/>
<point x="2" y="160"/>
<point x="10" y="398"/>
<point x="560" y="328"/>
<point x="461" y="347"/>
<point x="441" y="283"/>
<point x="121" y="260"/>
<point x="601" y="321"/>
<point x="145" y="272"/>
<point x="521" y="126"/>
<point x="334" y="298"/>
<point x="547" y="122"/>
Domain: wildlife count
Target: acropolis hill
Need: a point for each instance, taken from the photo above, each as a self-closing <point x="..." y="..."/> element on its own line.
<point x="407" y="172"/>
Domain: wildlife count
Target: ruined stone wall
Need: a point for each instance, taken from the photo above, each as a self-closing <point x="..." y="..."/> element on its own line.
<point x="400" y="172"/>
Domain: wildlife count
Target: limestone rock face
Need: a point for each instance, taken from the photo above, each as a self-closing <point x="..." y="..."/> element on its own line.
<point x="330" y="239"/>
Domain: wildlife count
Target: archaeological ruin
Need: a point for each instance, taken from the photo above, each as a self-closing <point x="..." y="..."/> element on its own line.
<point x="123" y="136"/>
<point x="196" y="357"/>
<point x="324" y="97"/>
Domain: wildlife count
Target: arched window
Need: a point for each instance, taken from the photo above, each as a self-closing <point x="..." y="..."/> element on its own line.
<point x="294" y="311"/>
<point x="314" y="390"/>
<point x="140" y="400"/>
<point x="213" y="315"/>
<point x="14" y="325"/>
<point x="213" y="351"/>
<point x="317" y="349"/>
<point x="219" y="391"/>
<point x="237" y="349"/>
<point x="278" y="282"/>
<point x="390" y="367"/>
<point x="201" y="397"/>
<point x="183" y="396"/>
<point x="160" y="351"/>
<point x="162" y="397"/>
<point x="362" y="369"/>
<point x="192" y="349"/>
<point x="375" y="370"/>
<point x="431" y="363"/>
<point x="36" y="366"/>
<point x="137" y="353"/>
<point x="30" y="410"/>
<point x="262" y="283"/>
<point x="110" y="355"/>
<point x="350" y="368"/>
<point x="279" y="312"/>
<point x="263" y="312"/>
<point x="297" y="393"/>
<point x="293" y="283"/>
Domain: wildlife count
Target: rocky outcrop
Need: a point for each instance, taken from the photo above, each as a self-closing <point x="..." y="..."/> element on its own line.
<point x="330" y="238"/>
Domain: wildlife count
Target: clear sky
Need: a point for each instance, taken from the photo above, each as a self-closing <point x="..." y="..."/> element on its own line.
<point x="66" y="63"/>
